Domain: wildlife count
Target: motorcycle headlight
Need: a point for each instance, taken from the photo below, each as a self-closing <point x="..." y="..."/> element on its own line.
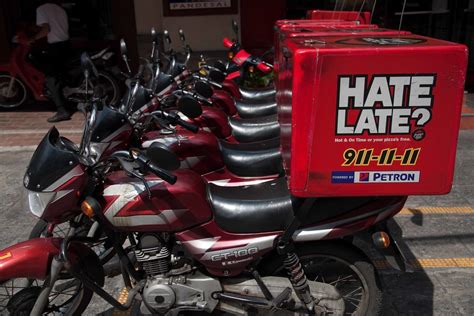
<point x="38" y="201"/>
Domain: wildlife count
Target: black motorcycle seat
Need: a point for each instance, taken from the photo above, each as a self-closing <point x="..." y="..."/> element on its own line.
<point x="255" y="108"/>
<point x="258" y="94"/>
<point x="256" y="208"/>
<point x="255" y="129"/>
<point x="253" y="159"/>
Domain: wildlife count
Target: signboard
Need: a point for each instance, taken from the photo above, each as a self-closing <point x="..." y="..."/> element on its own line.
<point x="199" y="7"/>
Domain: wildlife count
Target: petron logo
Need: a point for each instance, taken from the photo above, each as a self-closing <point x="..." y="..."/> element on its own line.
<point x="339" y="177"/>
<point x="382" y="41"/>
<point x="384" y="104"/>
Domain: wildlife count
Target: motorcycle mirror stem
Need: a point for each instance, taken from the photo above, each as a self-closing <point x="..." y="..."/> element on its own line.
<point x="167" y="37"/>
<point x="154" y="44"/>
<point x="235" y="28"/>
<point x="124" y="53"/>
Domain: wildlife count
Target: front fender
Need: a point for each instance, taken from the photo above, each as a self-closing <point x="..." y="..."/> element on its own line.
<point x="32" y="258"/>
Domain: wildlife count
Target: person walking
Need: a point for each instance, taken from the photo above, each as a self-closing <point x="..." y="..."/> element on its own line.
<point x="52" y="22"/>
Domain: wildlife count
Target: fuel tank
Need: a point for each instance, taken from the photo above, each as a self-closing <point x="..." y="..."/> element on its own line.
<point x="199" y="152"/>
<point x="170" y="208"/>
<point x="215" y="120"/>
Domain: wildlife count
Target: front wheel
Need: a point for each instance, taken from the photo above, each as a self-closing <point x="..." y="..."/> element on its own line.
<point x="13" y="92"/>
<point x="343" y="266"/>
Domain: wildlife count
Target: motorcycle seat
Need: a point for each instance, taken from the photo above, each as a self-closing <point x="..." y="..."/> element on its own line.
<point x="258" y="94"/>
<point x="255" y="108"/>
<point x="257" y="208"/>
<point x="255" y="129"/>
<point x="253" y="159"/>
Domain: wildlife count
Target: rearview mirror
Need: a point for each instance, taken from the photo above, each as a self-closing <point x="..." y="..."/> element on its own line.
<point x="88" y="65"/>
<point x="235" y="28"/>
<point x="161" y="156"/>
<point x="181" y="35"/>
<point x="203" y="89"/>
<point x="189" y="106"/>
<point x="216" y="76"/>
<point x="123" y="48"/>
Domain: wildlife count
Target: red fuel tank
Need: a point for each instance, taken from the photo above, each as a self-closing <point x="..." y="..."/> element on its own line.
<point x="171" y="208"/>
<point x="370" y="115"/>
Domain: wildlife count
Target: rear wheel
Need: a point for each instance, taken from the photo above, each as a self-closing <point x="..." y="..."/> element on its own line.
<point x="105" y="81"/>
<point x="344" y="267"/>
<point x="13" y="92"/>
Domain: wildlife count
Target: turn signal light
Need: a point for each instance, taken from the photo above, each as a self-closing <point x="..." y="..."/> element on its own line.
<point x="230" y="55"/>
<point x="381" y="240"/>
<point x="87" y="209"/>
<point x="90" y="207"/>
<point x="251" y="69"/>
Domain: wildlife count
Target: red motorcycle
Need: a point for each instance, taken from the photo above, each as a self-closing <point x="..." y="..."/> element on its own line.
<point x="20" y="79"/>
<point x="192" y="246"/>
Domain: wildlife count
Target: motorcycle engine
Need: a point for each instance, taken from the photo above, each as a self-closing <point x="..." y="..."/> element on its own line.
<point x="153" y="254"/>
<point x="171" y="286"/>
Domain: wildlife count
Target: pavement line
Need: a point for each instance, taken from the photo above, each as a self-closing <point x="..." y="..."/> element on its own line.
<point x="37" y="131"/>
<point x="437" y="210"/>
<point x="420" y="264"/>
<point x="10" y="149"/>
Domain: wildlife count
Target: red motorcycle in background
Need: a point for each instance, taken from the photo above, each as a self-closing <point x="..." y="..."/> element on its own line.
<point x="20" y="79"/>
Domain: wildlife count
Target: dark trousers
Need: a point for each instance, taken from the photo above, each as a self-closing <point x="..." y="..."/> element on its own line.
<point x="54" y="69"/>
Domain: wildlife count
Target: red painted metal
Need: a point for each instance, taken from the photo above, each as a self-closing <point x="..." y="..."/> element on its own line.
<point x="411" y="150"/>
<point x="224" y="101"/>
<point x="32" y="258"/>
<point x="231" y="86"/>
<point x="171" y="207"/>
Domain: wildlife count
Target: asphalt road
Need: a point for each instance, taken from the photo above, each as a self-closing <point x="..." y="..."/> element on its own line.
<point x="439" y="241"/>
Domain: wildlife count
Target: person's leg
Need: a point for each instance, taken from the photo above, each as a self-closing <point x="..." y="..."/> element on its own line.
<point x="54" y="87"/>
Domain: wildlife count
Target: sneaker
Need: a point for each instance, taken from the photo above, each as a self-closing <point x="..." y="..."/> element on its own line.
<point x="58" y="117"/>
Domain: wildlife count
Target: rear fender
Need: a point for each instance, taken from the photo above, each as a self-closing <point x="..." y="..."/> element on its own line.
<point x="32" y="258"/>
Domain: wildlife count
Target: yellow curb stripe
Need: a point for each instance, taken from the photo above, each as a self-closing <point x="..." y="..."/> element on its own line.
<point x="436" y="210"/>
<point x="419" y="264"/>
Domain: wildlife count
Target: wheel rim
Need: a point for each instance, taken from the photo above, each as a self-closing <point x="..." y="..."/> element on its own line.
<point x="103" y="81"/>
<point x="10" y="98"/>
<point x="344" y="276"/>
<point x="65" y="296"/>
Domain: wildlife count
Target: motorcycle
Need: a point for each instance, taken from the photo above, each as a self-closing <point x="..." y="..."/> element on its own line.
<point x="194" y="246"/>
<point x="20" y="78"/>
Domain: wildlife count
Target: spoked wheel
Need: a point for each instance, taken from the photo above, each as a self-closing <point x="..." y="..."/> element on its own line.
<point x="13" y="92"/>
<point x="105" y="82"/>
<point x="68" y="297"/>
<point x="348" y="270"/>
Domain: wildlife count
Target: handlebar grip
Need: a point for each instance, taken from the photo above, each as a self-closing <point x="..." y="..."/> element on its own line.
<point x="190" y="127"/>
<point x="227" y="42"/>
<point x="264" y="67"/>
<point x="162" y="173"/>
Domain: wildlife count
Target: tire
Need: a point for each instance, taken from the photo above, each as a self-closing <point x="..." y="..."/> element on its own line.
<point x="20" y="90"/>
<point x="114" y="86"/>
<point x="335" y="255"/>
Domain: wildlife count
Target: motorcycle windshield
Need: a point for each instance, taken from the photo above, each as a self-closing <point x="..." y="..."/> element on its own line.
<point x="142" y="97"/>
<point x="53" y="158"/>
<point x="108" y="121"/>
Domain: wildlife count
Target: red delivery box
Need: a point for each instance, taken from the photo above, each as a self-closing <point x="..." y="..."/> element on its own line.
<point x="361" y="17"/>
<point x="370" y="115"/>
<point x="312" y="31"/>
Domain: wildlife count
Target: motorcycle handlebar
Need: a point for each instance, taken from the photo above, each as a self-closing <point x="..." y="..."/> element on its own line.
<point x="162" y="173"/>
<point x="190" y="127"/>
<point x="227" y="42"/>
<point x="264" y="67"/>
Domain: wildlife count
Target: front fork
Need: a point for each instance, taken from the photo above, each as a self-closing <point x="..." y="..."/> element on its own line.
<point x="57" y="265"/>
